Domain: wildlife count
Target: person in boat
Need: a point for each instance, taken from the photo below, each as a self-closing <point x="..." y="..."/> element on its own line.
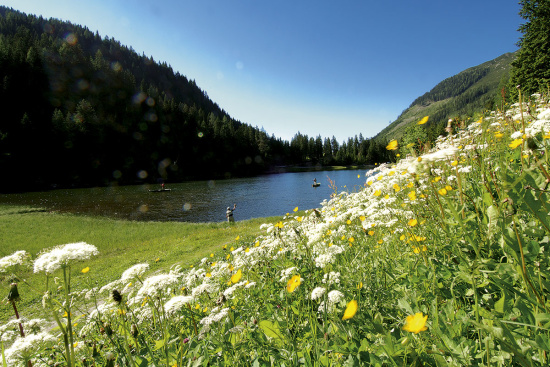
<point x="229" y="213"/>
<point x="162" y="186"/>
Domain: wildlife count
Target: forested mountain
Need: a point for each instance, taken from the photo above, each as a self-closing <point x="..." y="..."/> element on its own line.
<point x="81" y="110"/>
<point x="470" y="91"/>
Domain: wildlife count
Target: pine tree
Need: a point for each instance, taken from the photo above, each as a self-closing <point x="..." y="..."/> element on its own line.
<point x="531" y="69"/>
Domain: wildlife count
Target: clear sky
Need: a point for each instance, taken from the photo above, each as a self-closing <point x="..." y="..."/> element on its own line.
<point x="324" y="67"/>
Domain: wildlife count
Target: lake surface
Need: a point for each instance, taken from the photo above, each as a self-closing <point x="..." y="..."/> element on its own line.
<point x="199" y="201"/>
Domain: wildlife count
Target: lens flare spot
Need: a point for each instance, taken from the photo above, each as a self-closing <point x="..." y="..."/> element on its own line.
<point x="71" y="39"/>
<point x="186" y="207"/>
<point x="143" y="208"/>
<point x="142" y="174"/>
<point x="200" y="134"/>
<point x="117" y="174"/>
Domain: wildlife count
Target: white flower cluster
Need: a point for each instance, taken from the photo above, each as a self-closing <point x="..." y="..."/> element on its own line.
<point x="17" y="258"/>
<point x="61" y="256"/>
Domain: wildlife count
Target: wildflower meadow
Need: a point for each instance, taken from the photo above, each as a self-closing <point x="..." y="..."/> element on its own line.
<point x="440" y="260"/>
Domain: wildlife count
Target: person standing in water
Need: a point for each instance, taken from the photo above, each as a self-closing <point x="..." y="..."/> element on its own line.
<point x="229" y="213"/>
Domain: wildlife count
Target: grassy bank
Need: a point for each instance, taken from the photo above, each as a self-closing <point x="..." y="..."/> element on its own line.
<point x="121" y="244"/>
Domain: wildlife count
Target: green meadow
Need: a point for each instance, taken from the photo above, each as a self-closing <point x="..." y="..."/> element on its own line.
<point x="121" y="244"/>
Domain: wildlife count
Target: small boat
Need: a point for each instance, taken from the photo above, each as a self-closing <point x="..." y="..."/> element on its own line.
<point x="160" y="190"/>
<point x="316" y="184"/>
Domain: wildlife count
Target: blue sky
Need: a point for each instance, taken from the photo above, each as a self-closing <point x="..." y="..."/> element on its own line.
<point x="329" y="68"/>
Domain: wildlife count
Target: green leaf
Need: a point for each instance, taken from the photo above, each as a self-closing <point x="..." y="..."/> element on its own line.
<point x="404" y="305"/>
<point x="499" y="305"/>
<point x="270" y="329"/>
<point x="159" y="344"/>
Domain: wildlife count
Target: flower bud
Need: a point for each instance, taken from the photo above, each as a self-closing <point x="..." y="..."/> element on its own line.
<point x="13" y="295"/>
<point x="117" y="297"/>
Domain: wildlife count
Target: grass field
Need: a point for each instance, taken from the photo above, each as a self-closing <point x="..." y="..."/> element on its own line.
<point x="121" y="244"/>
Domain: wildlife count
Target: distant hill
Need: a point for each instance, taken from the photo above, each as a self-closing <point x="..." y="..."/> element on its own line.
<point x="470" y="91"/>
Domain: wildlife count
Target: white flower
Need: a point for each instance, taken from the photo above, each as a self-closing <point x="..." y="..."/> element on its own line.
<point x="317" y="293"/>
<point x="23" y="349"/>
<point x="16" y="258"/>
<point x="62" y="255"/>
<point x="134" y="272"/>
<point x="335" y="297"/>
<point x="177" y="303"/>
<point x="323" y="260"/>
<point x="157" y="284"/>
<point x="331" y="278"/>
<point x="516" y="135"/>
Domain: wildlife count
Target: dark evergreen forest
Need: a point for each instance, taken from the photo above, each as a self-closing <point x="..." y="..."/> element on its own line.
<point x="82" y="110"/>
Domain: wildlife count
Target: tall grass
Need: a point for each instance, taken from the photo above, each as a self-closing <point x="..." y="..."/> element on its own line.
<point x="440" y="260"/>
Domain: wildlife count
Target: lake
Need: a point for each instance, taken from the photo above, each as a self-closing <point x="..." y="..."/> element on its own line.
<point x="198" y="201"/>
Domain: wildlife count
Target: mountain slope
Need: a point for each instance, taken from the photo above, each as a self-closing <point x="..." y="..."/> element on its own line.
<point x="470" y="91"/>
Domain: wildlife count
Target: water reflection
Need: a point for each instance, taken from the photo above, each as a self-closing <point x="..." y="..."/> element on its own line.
<point x="199" y="201"/>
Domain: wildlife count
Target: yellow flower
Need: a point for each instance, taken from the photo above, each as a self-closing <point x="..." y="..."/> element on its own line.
<point x="380" y="242"/>
<point x="299" y="219"/>
<point x="392" y="145"/>
<point x="157" y="259"/>
<point x="424" y="120"/>
<point x="211" y="255"/>
<point x="516" y="143"/>
<point x="237" y="238"/>
<point x="362" y="218"/>
<point x="402" y="237"/>
<point x="371" y="233"/>
<point x="396" y="187"/>
<point x="358" y="176"/>
<point x="387" y="197"/>
<point x="85" y="270"/>
<point x="208" y="275"/>
<point x="412" y="195"/>
<point x="437" y="179"/>
<point x="442" y="192"/>
<point x="391" y="173"/>
<point x="279" y="224"/>
<point x="454" y="163"/>
<point x="413" y="222"/>
<point x="213" y="264"/>
<point x="247" y="249"/>
<point x="293" y="283"/>
<point x="351" y="239"/>
<point x="348" y="221"/>
<point x="237" y="276"/>
<point x="448" y="188"/>
<point x="398" y="155"/>
<point x="295" y="209"/>
<point x="377" y="193"/>
<point x="410" y="185"/>
<point x="419" y="159"/>
<point x="360" y="285"/>
<point x="416" y="323"/>
<point x="350" y="311"/>
<point x="547" y="136"/>
<point x="499" y="135"/>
